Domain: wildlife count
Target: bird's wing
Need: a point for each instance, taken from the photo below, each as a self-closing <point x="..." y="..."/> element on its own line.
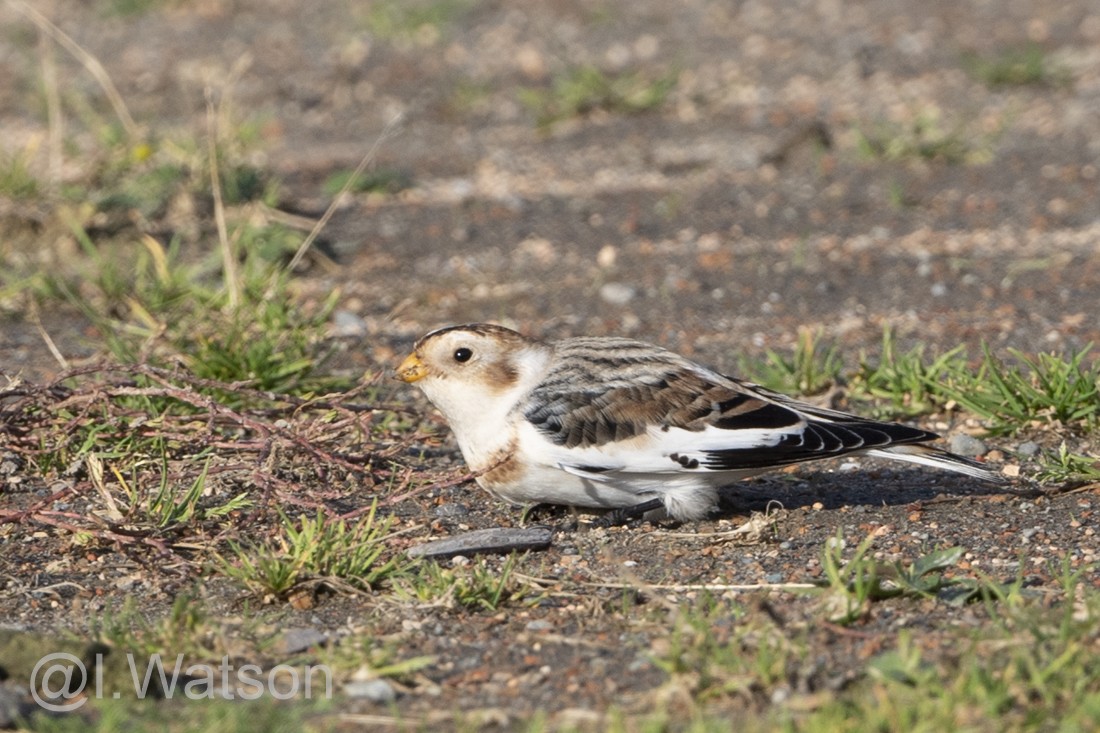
<point x="681" y="419"/>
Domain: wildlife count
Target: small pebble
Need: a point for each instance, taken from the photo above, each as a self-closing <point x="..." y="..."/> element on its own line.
<point x="14" y="705"/>
<point x="298" y="640"/>
<point x="773" y="578"/>
<point x="616" y="293"/>
<point x="347" y="324"/>
<point x="539" y="625"/>
<point x="376" y="690"/>
<point x="966" y="445"/>
<point x="451" y="509"/>
<point x="1027" y="448"/>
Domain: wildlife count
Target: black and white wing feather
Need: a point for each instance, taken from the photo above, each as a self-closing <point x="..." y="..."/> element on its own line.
<point x="616" y="405"/>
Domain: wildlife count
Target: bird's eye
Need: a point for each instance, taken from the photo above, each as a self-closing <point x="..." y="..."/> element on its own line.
<point x="463" y="355"/>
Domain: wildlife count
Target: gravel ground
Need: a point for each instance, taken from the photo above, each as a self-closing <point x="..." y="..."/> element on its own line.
<point x="717" y="225"/>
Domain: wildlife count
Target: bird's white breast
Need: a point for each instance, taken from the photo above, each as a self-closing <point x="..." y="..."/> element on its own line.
<point x="483" y="416"/>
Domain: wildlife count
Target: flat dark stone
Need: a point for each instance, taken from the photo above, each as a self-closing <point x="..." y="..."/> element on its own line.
<point x="497" y="540"/>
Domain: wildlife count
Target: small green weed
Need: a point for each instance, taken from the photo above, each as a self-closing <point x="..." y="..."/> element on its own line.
<point x="810" y="370"/>
<point x="925" y="139"/>
<point x="155" y="309"/>
<point x="719" y="650"/>
<point x="468" y="97"/>
<point x="366" y="653"/>
<point x="186" y="629"/>
<point x="315" y="552"/>
<point x="856" y="583"/>
<point x="909" y="383"/>
<point x="1044" y="389"/>
<point x="586" y="89"/>
<point x="165" y="506"/>
<point x="1064" y="467"/>
<point x="16" y="179"/>
<point x="477" y="586"/>
<point x="405" y="19"/>
<point x="384" y="180"/>
<point x="1029" y="66"/>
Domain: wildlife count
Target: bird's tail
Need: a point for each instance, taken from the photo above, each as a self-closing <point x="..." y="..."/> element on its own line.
<point x="937" y="458"/>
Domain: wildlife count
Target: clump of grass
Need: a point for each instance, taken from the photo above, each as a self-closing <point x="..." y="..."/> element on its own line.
<point x="164" y="467"/>
<point x="716" y="649"/>
<point x="1029" y="662"/>
<point x="267" y="344"/>
<point x="383" y="180"/>
<point x="810" y="369"/>
<point x="1046" y="389"/>
<point x="586" y="89"/>
<point x="130" y="177"/>
<point x="908" y="383"/>
<point x="186" y="629"/>
<point x="1064" y="467"/>
<point x="155" y="309"/>
<point x="315" y="552"/>
<point x="476" y="586"/>
<point x="1030" y="392"/>
<point x="130" y="8"/>
<point x="405" y="19"/>
<point x="16" y="179"/>
<point x="854" y="584"/>
<point x="160" y="504"/>
<point x="924" y="139"/>
<point x="366" y="654"/>
<point x="1015" y="67"/>
<point x="1033" y="664"/>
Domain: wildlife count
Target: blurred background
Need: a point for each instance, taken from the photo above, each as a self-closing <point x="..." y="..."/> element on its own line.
<point x="709" y="175"/>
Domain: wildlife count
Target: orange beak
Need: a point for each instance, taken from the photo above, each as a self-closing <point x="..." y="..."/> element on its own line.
<point x="411" y="370"/>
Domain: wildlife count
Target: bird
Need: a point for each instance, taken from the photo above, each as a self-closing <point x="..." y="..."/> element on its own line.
<point x="622" y="425"/>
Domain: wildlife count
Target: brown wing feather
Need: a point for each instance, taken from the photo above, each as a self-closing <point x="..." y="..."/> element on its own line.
<point x="674" y="399"/>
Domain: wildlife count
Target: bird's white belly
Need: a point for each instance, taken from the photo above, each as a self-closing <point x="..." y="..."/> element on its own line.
<point x="546" y="484"/>
<point x="685" y="496"/>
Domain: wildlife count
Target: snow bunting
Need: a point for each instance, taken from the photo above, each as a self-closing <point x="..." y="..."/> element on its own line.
<point x="622" y="424"/>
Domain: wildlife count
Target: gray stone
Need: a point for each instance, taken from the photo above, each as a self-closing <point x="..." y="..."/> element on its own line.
<point x="496" y="540"/>
<point x="451" y="509"/>
<point x="15" y="704"/>
<point x="376" y="690"/>
<point x="348" y="324"/>
<point x="1027" y="448"/>
<point x="966" y="445"/>
<point x="616" y="293"/>
<point x="298" y="640"/>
